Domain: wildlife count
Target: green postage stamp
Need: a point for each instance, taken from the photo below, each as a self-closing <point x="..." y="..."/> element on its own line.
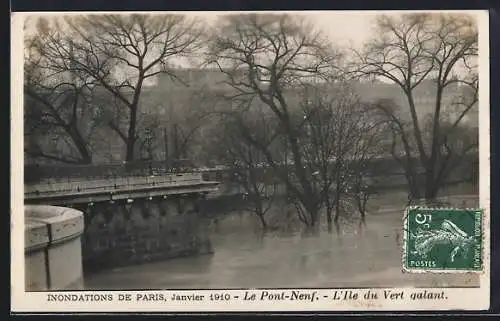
<point x="443" y="240"/>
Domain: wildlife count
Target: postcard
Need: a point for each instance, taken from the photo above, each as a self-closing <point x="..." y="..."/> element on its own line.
<point x="250" y="161"/>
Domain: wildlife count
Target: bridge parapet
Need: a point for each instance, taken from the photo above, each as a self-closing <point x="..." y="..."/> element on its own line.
<point x="77" y="185"/>
<point x="85" y="191"/>
<point x="53" y="250"/>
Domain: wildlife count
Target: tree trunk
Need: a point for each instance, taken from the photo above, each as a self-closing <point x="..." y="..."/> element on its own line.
<point x="362" y="221"/>
<point x="314" y="217"/>
<point x="431" y="183"/>
<point x="81" y="145"/>
<point x="337" y="227"/>
<point x="263" y="222"/>
<point x="310" y="230"/>
<point x="313" y="211"/>
<point x="431" y="189"/>
<point x="413" y="180"/>
<point x="416" y="128"/>
<point x="337" y="203"/>
<point x="414" y="190"/>
<point x="338" y="191"/>
<point x="130" y="145"/>
<point x="132" y="128"/>
<point x="311" y="207"/>
<point x="329" y="218"/>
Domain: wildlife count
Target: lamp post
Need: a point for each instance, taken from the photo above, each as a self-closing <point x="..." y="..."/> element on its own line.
<point x="149" y="149"/>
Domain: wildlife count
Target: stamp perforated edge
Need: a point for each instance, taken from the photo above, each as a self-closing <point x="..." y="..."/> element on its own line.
<point x="407" y="270"/>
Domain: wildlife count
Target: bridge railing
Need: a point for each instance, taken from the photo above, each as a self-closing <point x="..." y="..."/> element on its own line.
<point x="82" y="185"/>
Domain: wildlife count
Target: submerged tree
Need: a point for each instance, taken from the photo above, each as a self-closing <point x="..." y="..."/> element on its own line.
<point x="418" y="50"/>
<point x="340" y="138"/>
<point x="264" y="57"/>
<point x="245" y="161"/>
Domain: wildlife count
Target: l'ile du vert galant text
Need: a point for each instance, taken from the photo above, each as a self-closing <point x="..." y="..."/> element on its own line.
<point x="253" y="295"/>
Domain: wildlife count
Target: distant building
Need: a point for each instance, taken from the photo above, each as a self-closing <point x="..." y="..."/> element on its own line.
<point x="166" y="103"/>
<point x="424" y="93"/>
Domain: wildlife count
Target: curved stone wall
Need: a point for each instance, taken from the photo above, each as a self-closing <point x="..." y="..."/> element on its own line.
<point x="121" y="233"/>
<point x="53" y="250"/>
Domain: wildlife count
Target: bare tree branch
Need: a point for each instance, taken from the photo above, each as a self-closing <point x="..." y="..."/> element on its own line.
<point x="121" y="52"/>
<point x="439" y="50"/>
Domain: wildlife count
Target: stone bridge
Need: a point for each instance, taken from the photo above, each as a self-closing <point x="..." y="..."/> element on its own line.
<point x="78" y="190"/>
<point x="124" y="220"/>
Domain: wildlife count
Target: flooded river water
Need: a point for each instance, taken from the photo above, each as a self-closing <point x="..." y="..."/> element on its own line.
<point x="245" y="258"/>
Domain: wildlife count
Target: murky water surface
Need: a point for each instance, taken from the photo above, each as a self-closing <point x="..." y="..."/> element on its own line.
<point x="244" y="258"/>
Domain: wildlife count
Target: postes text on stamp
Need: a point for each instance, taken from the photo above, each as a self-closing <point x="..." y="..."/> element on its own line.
<point x="443" y="240"/>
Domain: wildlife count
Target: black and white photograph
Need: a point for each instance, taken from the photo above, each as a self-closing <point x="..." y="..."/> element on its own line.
<point x="228" y="151"/>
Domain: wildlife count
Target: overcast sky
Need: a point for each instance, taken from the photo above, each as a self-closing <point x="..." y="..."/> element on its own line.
<point x="346" y="29"/>
<point x="342" y="27"/>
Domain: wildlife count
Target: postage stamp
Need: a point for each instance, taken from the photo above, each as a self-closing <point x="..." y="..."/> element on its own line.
<point x="443" y="240"/>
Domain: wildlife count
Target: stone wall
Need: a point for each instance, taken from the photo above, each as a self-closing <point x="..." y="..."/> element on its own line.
<point x="124" y="233"/>
<point x="53" y="250"/>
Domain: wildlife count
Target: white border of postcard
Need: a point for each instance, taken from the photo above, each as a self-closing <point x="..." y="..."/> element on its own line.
<point x="453" y="298"/>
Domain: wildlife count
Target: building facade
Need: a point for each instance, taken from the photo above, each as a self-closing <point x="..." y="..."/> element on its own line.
<point x="171" y="108"/>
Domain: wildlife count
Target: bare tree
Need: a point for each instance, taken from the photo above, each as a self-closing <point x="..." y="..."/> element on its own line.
<point x="57" y="102"/>
<point x="325" y="118"/>
<point x="409" y="51"/>
<point x="341" y="137"/>
<point x="263" y="57"/>
<point x="197" y="113"/>
<point x="245" y="162"/>
<point x="120" y="53"/>
<point x="368" y="147"/>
